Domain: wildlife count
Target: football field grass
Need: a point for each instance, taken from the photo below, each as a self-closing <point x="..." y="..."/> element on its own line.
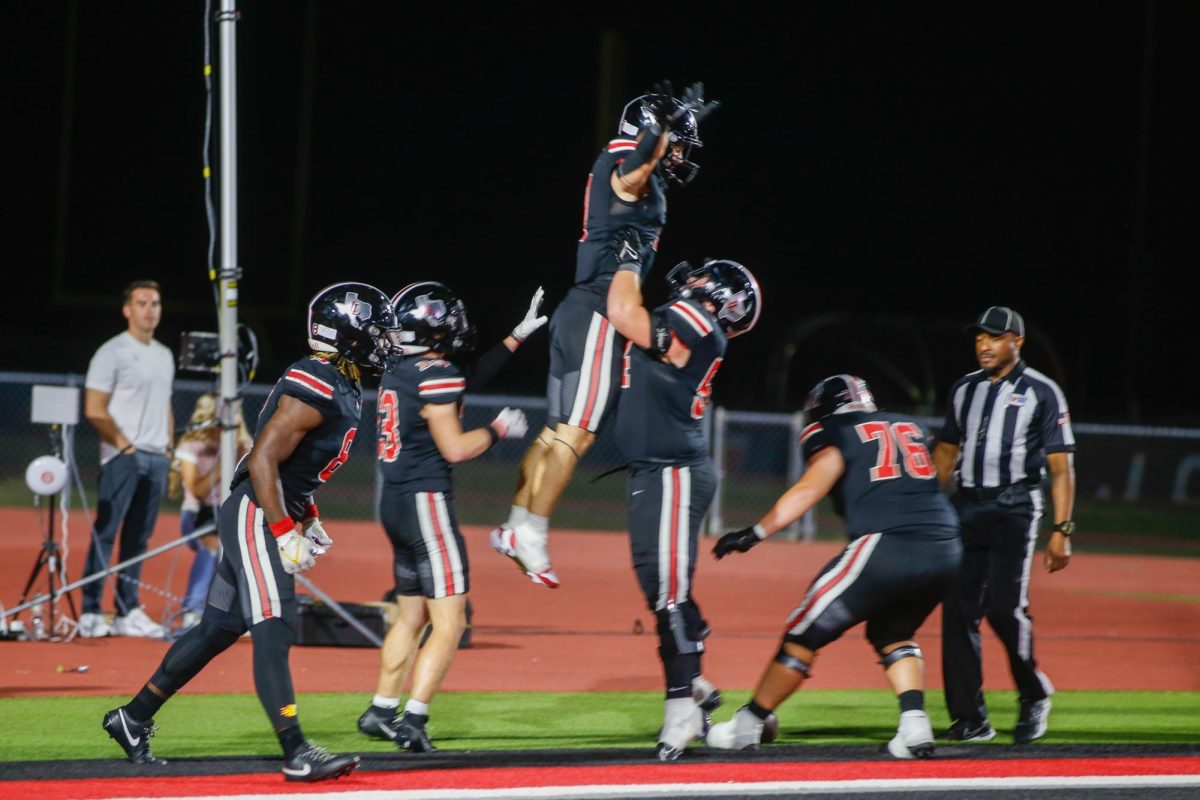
<point x="217" y="725"/>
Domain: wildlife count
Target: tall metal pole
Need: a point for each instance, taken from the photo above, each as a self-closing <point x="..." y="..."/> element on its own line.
<point x="230" y="272"/>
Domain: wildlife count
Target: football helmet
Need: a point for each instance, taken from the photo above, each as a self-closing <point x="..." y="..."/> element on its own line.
<point x="838" y="394"/>
<point x="355" y="321"/>
<point x="432" y="317"/>
<point x="729" y="286"/>
<point x="640" y="112"/>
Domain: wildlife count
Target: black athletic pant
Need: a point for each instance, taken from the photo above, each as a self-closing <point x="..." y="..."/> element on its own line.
<point x="998" y="542"/>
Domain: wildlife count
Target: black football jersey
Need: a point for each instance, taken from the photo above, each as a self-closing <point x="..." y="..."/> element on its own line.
<point x="408" y="456"/>
<point x="890" y="484"/>
<point x="604" y="214"/>
<point x="661" y="411"/>
<point x="316" y="383"/>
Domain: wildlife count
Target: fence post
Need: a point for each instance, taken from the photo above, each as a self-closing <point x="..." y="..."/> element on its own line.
<point x="806" y="526"/>
<point x="716" y="523"/>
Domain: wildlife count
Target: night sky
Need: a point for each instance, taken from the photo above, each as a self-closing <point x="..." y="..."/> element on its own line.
<point x="886" y="172"/>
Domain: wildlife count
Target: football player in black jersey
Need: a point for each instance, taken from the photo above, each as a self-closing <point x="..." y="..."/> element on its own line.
<point x="671" y="357"/>
<point x="903" y="555"/>
<point x="270" y="527"/>
<point x="626" y="188"/>
<point x="420" y="437"/>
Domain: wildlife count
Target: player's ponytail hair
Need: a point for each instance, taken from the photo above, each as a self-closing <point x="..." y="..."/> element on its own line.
<point x="349" y="370"/>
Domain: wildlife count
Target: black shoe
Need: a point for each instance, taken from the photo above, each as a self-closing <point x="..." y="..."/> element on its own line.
<point x="314" y="763"/>
<point x="411" y="735"/>
<point x="377" y="725"/>
<point x="1032" y="721"/>
<point x="133" y="736"/>
<point x="962" y="731"/>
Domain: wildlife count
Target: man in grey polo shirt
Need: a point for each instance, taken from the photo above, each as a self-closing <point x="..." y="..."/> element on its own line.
<point x="128" y="400"/>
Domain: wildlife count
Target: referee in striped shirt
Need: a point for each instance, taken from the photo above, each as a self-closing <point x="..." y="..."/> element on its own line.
<point x="1006" y="424"/>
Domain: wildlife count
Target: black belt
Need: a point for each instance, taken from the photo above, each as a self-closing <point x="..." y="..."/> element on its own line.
<point x="988" y="492"/>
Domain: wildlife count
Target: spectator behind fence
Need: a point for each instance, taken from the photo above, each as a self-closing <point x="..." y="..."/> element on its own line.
<point x="196" y="476"/>
<point x="128" y="400"/>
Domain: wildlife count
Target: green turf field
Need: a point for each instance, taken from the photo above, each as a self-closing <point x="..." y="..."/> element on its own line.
<point x="210" y="725"/>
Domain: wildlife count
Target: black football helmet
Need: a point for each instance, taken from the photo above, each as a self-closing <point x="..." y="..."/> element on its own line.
<point x="432" y="317"/>
<point x="640" y="113"/>
<point x="838" y="394"/>
<point x="729" y="286"/>
<point x="355" y="321"/>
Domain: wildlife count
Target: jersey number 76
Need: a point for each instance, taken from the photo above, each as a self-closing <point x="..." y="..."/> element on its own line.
<point x="893" y="436"/>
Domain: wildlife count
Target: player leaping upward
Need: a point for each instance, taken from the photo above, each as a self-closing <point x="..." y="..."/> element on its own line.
<point x="625" y="189"/>
<point x="270" y="528"/>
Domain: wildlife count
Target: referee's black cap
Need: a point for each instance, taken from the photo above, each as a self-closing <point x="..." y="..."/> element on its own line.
<point x="997" y="320"/>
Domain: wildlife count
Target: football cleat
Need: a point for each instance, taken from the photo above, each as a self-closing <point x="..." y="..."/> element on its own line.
<point x="133" y="736"/>
<point x="312" y="763"/>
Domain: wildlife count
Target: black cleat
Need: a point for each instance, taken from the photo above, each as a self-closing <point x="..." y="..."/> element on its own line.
<point x="314" y="763"/>
<point x="411" y="735"/>
<point x="1032" y="721"/>
<point x="962" y="731"/>
<point x="133" y="736"/>
<point x="378" y="726"/>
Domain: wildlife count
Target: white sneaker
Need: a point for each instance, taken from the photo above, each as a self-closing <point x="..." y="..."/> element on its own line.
<point x="743" y="732"/>
<point x="527" y="548"/>
<point x="93" y="625"/>
<point x="136" y="623"/>
<point x="683" y="721"/>
<point x="914" y="737"/>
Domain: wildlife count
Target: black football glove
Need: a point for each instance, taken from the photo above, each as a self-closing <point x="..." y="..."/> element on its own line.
<point x="627" y="245"/>
<point x="693" y="100"/>
<point x="739" y="541"/>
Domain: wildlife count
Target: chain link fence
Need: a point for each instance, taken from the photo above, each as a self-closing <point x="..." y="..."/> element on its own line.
<point x="1142" y="479"/>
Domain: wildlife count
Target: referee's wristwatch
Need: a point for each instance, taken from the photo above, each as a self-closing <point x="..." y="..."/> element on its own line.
<point x="1066" y="528"/>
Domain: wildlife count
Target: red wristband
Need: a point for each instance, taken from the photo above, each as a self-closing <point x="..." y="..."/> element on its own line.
<point x="311" y="512"/>
<point x="282" y="527"/>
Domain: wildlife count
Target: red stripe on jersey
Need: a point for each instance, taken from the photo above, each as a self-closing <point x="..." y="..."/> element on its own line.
<point x="597" y="364"/>
<point x="587" y="202"/>
<point x="857" y="551"/>
<point x="439" y="534"/>
<point x="617" y="145"/>
<point x="673" y="586"/>
<point x="809" y="431"/>
<point x="260" y="583"/>
<point x="436" y="387"/>
<point x="702" y="325"/>
<point x="316" y="384"/>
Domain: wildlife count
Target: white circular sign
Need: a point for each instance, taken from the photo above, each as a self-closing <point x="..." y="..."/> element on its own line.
<point x="46" y="475"/>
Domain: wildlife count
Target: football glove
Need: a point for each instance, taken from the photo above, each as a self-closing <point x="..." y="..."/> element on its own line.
<point x="526" y="327"/>
<point x="511" y="424"/>
<point x="296" y="552"/>
<point x="314" y="531"/>
<point x="736" y="541"/>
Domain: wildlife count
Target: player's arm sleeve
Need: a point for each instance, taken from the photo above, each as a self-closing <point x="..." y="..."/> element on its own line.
<point x="687" y="323"/>
<point x="102" y="371"/>
<point x="487" y="366"/>
<point x="643" y="153"/>
<point x="1055" y="422"/>
<point x="441" y="384"/>
<point x="311" y="383"/>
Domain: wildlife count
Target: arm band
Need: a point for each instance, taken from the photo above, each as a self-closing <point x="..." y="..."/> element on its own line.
<point x="644" y="153"/>
<point x="311" y="511"/>
<point x="487" y="366"/>
<point x="282" y="527"/>
<point x="660" y="334"/>
<point x="495" y="434"/>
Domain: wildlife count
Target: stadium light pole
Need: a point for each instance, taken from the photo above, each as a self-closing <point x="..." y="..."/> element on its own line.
<point x="230" y="272"/>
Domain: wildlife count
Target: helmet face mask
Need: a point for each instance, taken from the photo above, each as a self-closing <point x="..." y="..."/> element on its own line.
<point x="731" y="289"/>
<point x="432" y="317"/>
<point x="675" y="166"/>
<point x="838" y="394"/>
<point x="353" y="321"/>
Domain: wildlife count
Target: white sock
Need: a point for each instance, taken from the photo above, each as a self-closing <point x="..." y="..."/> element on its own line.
<point x="417" y="707"/>
<point x="539" y="524"/>
<point x="386" y="702"/>
<point x="517" y="516"/>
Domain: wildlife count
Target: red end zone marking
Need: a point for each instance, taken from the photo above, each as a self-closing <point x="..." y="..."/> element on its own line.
<point x="627" y="775"/>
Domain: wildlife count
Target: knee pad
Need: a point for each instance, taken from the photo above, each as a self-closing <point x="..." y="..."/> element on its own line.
<point x="681" y="629"/>
<point x="786" y="659"/>
<point x="900" y="653"/>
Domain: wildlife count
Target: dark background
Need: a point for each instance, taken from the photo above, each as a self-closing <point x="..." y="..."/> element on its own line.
<point x="886" y="172"/>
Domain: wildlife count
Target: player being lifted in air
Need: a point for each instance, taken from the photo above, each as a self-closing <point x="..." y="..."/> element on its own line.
<point x="626" y="188"/>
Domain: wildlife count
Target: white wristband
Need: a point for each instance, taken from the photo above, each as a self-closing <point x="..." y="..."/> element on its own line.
<point x="760" y="532"/>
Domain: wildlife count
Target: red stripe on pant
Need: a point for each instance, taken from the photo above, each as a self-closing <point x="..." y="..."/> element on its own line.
<point x="264" y="598"/>
<point x="447" y="571"/>
<point x="857" y="551"/>
<point x="597" y="365"/>
<point x="673" y="585"/>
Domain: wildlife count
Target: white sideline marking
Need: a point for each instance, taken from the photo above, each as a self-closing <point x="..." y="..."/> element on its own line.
<point x="871" y="786"/>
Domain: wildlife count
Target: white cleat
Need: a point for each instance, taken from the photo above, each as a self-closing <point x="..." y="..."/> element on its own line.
<point x="705" y="694"/>
<point x="914" y="737"/>
<point x="527" y="548"/>
<point x="743" y="732"/>
<point x="683" y="721"/>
